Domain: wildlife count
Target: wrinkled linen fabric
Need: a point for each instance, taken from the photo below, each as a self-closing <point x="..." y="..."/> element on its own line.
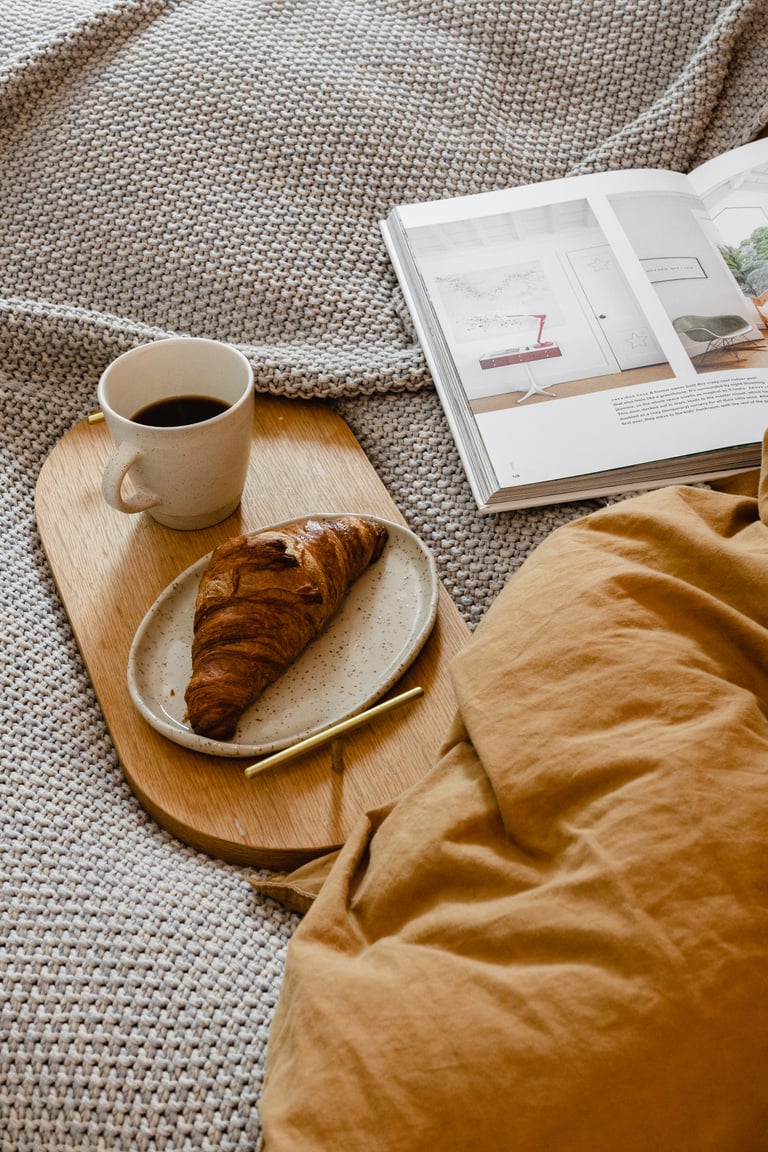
<point x="559" y="938"/>
<point x="217" y="168"/>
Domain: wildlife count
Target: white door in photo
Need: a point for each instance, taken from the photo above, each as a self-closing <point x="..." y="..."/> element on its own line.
<point x="614" y="307"/>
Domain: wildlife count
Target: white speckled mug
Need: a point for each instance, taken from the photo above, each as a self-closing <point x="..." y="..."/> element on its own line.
<point x="180" y="411"/>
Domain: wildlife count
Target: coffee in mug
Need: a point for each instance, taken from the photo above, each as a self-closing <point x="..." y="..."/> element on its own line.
<point x="180" y="411"/>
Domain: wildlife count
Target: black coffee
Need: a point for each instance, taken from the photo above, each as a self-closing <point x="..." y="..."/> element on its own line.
<point x="178" y="410"/>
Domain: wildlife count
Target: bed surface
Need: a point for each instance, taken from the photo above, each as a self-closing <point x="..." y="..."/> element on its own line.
<point x="210" y="168"/>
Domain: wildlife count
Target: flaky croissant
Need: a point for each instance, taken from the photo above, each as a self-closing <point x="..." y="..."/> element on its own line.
<point x="262" y="598"/>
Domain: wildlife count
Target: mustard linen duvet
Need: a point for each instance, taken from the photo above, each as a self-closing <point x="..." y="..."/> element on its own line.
<point x="559" y="938"/>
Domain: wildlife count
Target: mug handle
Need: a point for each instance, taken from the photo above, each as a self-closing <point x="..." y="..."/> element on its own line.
<point x="118" y="466"/>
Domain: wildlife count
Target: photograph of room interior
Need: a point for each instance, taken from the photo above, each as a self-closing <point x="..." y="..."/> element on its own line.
<point x="541" y="308"/>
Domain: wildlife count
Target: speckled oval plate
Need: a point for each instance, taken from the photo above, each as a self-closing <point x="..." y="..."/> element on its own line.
<point x="377" y="633"/>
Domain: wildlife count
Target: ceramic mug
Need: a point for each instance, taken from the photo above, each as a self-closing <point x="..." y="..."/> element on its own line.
<point x="180" y="411"/>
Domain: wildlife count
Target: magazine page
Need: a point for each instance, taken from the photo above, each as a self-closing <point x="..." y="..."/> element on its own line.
<point x="734" y="191"/>
<point x="558" y="320"/>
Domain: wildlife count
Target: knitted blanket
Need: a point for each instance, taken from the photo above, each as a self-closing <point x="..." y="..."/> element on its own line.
<point x="214" y="168"/>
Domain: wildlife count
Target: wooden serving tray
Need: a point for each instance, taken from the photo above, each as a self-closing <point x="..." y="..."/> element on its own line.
<point x="109" y="568"/>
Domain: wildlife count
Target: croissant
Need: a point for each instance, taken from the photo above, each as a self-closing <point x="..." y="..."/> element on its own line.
<point x="262" y="598"/>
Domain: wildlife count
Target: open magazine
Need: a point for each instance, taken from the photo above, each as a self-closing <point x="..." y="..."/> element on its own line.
<point x="599" y="333"/>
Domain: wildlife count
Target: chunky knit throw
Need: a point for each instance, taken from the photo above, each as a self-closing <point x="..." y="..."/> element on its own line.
<point x="219" y="168"/>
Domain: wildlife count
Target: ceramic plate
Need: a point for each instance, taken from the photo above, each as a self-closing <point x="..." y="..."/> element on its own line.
<point x="377" y="633"/>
